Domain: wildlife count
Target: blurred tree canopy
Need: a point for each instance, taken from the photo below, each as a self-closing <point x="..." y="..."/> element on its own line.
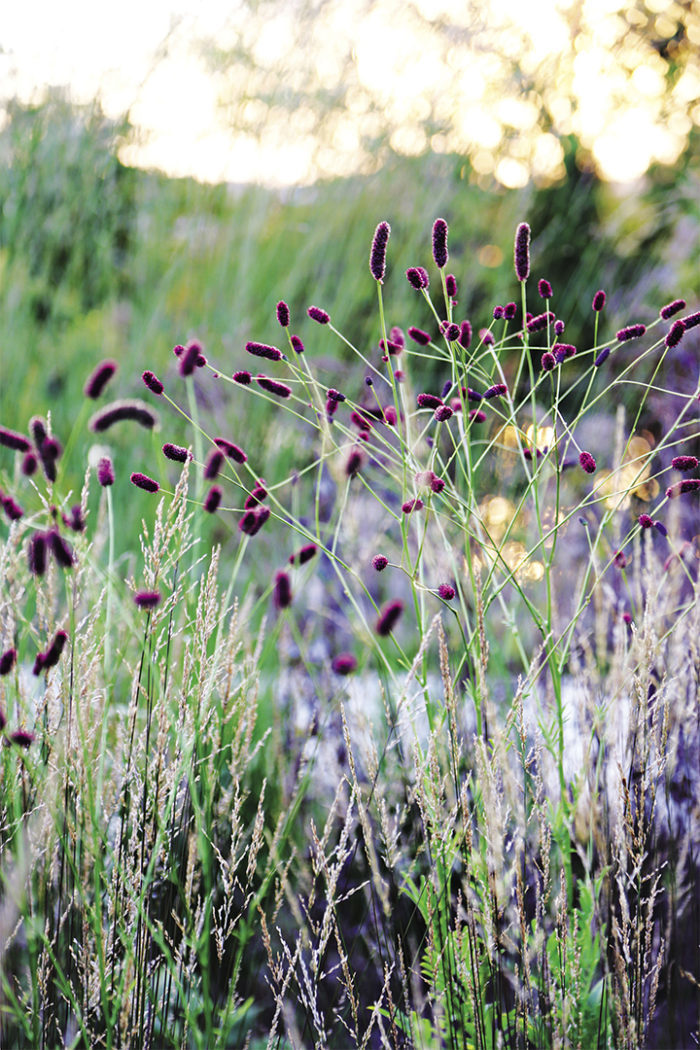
<point x="339" y="87"/>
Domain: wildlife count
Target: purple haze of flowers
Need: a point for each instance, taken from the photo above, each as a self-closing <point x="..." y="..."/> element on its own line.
<point x="440" y="253"/>
<point x="377" y="255"/>
<point x="521" y="252"/>
<point x="98" y="379"/>
<point x="389" y="616"/>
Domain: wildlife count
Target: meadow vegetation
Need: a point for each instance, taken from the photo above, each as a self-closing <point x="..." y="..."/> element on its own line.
<point x="349" y="617"/>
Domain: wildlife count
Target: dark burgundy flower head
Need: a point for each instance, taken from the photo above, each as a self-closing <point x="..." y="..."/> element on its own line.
<point x="412" y="504"/>
<point x="242" y="377"/>
<point x="672" y="308"/>
<point x="7" y="661"/>
<point x="598" y="301"/>
<point x="446" y="592"/>
<point x="318" y="315"/>
<point x="282" y="592"/>
<point x="632" y="331"/>
<point x="379" y="562"/>
<point x="544" y="288"/>
<point x="304" y="554"/>
<point x="271" y="353"/>
<point x="176" y="453"/>
<point x="499" y="312"/>
<point x="419" y="336"/>
<point x="22" y="738"/>
<point x="142" y="481"/>
<point x="389" y="616"/>
<point x="587" y="462"/>
<point x="417" y="277"/>
<point x="559" y="327"/>
<point x="682" y="487"/>
<point x="147" y="599"/>
<point x="675" y="334"/>
<point x="684" y="462"/>
<point x="440" y="253"/>
<point x="273" y="387"/>
<point x="509" y="311"/>
<point x="60" y="548"/>
<point x="12" y="509"/>
<point x="692" y="320"/>
<point x="548" y="361"/>
<point x="377" y="256"/>
<point x="99" y="378"/>
<point x="521" y="252"/>
<point x="540" y="321"/>
<point x="152" y="382"/>
<point x="213" y="499"/>
<point x="105" y="472"/>
<point x="428" y="401"/>
<point x="53" y="653"/>
<point x="497" y="390"/>
<point x="297" y="344"/>
<point x="443" y="413"/>
<point x="11" y="439"/>
<point x="354" y="462"/>
<point x="36" y="554"/>
<point x="190" y="358"/>
<point x="645" y="521"/>
<point x="134" y="410"/>
<point x="230" y="450"/>
<point x="344" y="663"/>
<point x="451" y="285"/>
<point x="602" y="356"/>
<point x="213" y="464"/>
<point x="465" y="334"/>
<point x="29" y="464"/>
<point x="283" y="314"/>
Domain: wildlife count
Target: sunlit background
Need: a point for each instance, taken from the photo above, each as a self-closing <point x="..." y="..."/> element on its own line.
<point x="282" y="92"/>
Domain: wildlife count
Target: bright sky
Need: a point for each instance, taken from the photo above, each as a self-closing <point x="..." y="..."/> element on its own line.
<point x="136" y="55"/>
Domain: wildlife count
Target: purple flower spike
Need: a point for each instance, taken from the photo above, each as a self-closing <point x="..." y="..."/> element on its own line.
<point x="105" y="472"/>
<point x="377" y="257"/>
<point x="229" y="449"/>
<point x="681" y="487"/>
<point x="61" y="549"/>
<point x="190" y="358"/>
<point x="29" y="464"/>
<point x="214" y="463"/>
<point x="283" y="314"/>
<point x="544" y="288"/>
<point x="379" y="562"/>
<point x="670" y="309"/>
<point x="7" y="661"/>
<point x="318" y="315"/>
<point x="598" y="301"/>
<point x="213" y="499"/>
<point x="389" y="616"/>
<point x="354" y="462"/>
<point x="450" y="331"/>
<point x="692" y="320"/>
<point x="242" y="377"/>
<point x="147" y="599"/>
<point x="22" y="738"/>
<point x="11" y="439"/>
<point x="142" y="481"/>
<point x="273" y="387"/>
<point x="297" y="344"/>
<point x="587" y="462"/>
<point x="12" y="509"/>
<point x="559" y="327"/>
<point x="521" y="253"/>
<point x="440" y="253"/>
<point x="99" y="378"/>
<point x="602" y="356"/>
<point x="282" y="593"/>
<point x="303" y="555"/>
<point x="465" y="335"/>
<point x="428" y="401"/>
<point x="419" y="336"/>
<point x="344" y="663"/>
<point x="499" y="312"/>
<point x="137" y="411"/>
<point x="661" y="528"/>
<point x="53" y="653"/>
<point x="417" y="277"/>
<point x="675" y="334"/>
<point x="176" y="453"/>
<point x="497" y="390"/>
<point x="645" y="521"/>
<point x="548" y="361"/>
<point x="446" y="592"/>
<point x="510" y="310"/>
<point x="540" y="321"/>
<point x="451" y="285"/>
<point x="684" y="462"/>
<point x="36" y="554"/>
<point x="152" y="382"/>
<point x="632" y="331"/>
<point x="263" y="350"/>
<point x="443" y="413"/>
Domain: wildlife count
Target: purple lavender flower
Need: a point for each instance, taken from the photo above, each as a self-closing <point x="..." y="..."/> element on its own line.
<point x="176" y="453"/>
<point x="297" y="344"/>
<point x="105" y="472"/>
<point x="147" y="599"/>
<point x="521" y="252"/>
<point x="632" y="331"/>
<point x="142" y="481"/>
<point x="11" y="439"/>
<point x="675" y="334"/>
<point x="446" y="592"/>
<point x="684" y="462"/>
<point x="282" y="593"/>
<point x="152" y="382"/>
<point x="318" y="315"/>
<point x="272" y="386"/>
<point x="344" y="663"/>
<point x="389" y="616"/>
<point x="672" y="308"/>
<point x="213" y="499"/>
<point x="99" y="378"/>
<point x="544" y="288"/>
<point x="440" y="253"/>
<point x="377" y="257"/>
<point x="661" y="528"/>
<point x="283" y="314"/>
<point x="602" y="356"/>
<point x="587" y="462"/>
<point x="135" y="410"/>
<point x="417" y="277"/>
<point x="598" y="301"/>
<point x="7" y="661"/>
<point x="271" y="353"/>
<point x="419" y="336"/>
<point x="497" y="390"/>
